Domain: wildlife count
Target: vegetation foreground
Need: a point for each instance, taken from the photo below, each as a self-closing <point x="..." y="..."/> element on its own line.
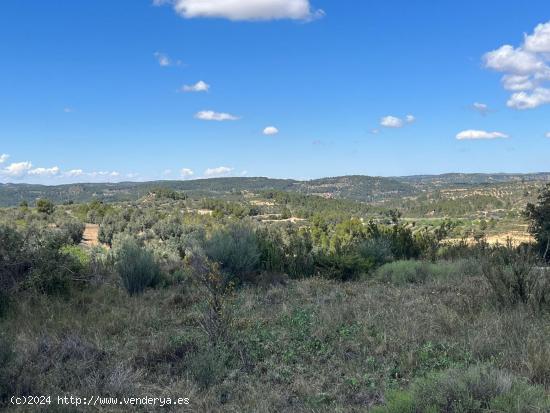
<point x="338" y="314"/>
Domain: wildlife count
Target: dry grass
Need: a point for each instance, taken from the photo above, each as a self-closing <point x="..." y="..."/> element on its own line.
<point x="308" y="346"/>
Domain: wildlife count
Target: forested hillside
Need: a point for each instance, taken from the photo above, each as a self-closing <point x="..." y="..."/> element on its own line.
<point x="356" y="187"/>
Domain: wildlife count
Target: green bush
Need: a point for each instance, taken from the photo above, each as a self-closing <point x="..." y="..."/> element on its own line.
<point x="35" y="260"/>
<point x="14" y="259"/>
<point x="514" y="278"/>
<point x="136" y="267"/>
<point x="78" y="255"/>
<point x="45" y="206"/>
<point x="379" y="250"/>
<point x="476" y="389"/>
<point x="235" y="249"/>
<point x="53" y="271"/>
<point x="73" y="230"/>
<point x="285" y="249"/>
<point x="342" y="267"/>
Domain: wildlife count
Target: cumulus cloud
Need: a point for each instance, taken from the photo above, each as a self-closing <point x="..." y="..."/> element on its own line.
<point x="200" y="86"/>
<point x="270" y="131"/>
<point x="245" y="9"/>
<point x="539" y="41"/>
<point x="479" y="134"/>
<point x="44" y="171"/>
<point x="4" y="157"/>
<point x="186" y="172"/>
<point x="26" y="172"/>
<point x="395" y="122"/>
<point x="516" y="83"/>
<point x="17" y="169"/>
<point x="391" y="122"/>
<point x="529" y="100"/>
<point x="216" y="172"/>
<point x="513" y="60"/>
<point x="216" y="116"/>
<point x="526" y="69"/>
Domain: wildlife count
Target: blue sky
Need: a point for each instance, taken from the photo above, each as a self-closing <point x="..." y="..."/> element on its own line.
<point x="96" y="91"/>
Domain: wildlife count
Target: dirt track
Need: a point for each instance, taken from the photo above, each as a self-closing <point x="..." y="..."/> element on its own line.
<point x="90" y="236"/>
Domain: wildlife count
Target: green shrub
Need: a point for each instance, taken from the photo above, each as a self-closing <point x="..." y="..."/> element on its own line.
<point x="379" y="250"/>
<point x="73" y="230"/>
<point x="136" y="267"/>
<point x="235" y="249"/>
<point x="285" y="249"/>
<point x="342" y="267"/>
<point x="476" y="389"/>
<point x="45" y="206"/>
<point x="209" y="366"/>
<point x="49" y="271"/>
<point x="15" y="261"/>
<point x="514" y="278"/>
<point x="78" y="254"/>
<point x="35" y="260"/>
<point x="539" y="220"/>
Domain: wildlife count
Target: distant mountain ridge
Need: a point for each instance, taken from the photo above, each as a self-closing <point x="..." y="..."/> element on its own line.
<point x="474" y="178"/>
<point x="356" y="187"/>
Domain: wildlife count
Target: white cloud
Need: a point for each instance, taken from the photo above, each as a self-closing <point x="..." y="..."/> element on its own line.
<point x="216" y="116"/>
<point x="17" y="169"/>
<point x="547" y="135"/>
<point x="270" y="131"/>
<point x="479" y="134"/>
<point x="517" y="83"/>
<point x="480" y="107"/>
<point x="509" y="59"/>
<point x="44" y="171"/>
<point x="526" y="69"/>
<point x="395" y="122"/>
<point x="74" y="172"/>
<point x="186" y="172"/>
<point x="529" y="100"/>
<point x="167" y="172"/>
<point x="4" y="157"/>
<point x="164" y="60"/>
<point x="391" y="122"/>
<point x="96" y="174"/>
<point x="68" y="110"/>
<point x="200" y="86"/>
<point x="539" y="41"/>
<point x="24" y="171"/>
<point x="245" y="9"/>
<point x="219" y="171"/>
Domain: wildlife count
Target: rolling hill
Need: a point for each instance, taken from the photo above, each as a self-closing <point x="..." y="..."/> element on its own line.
<point x="356" y="187"/>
